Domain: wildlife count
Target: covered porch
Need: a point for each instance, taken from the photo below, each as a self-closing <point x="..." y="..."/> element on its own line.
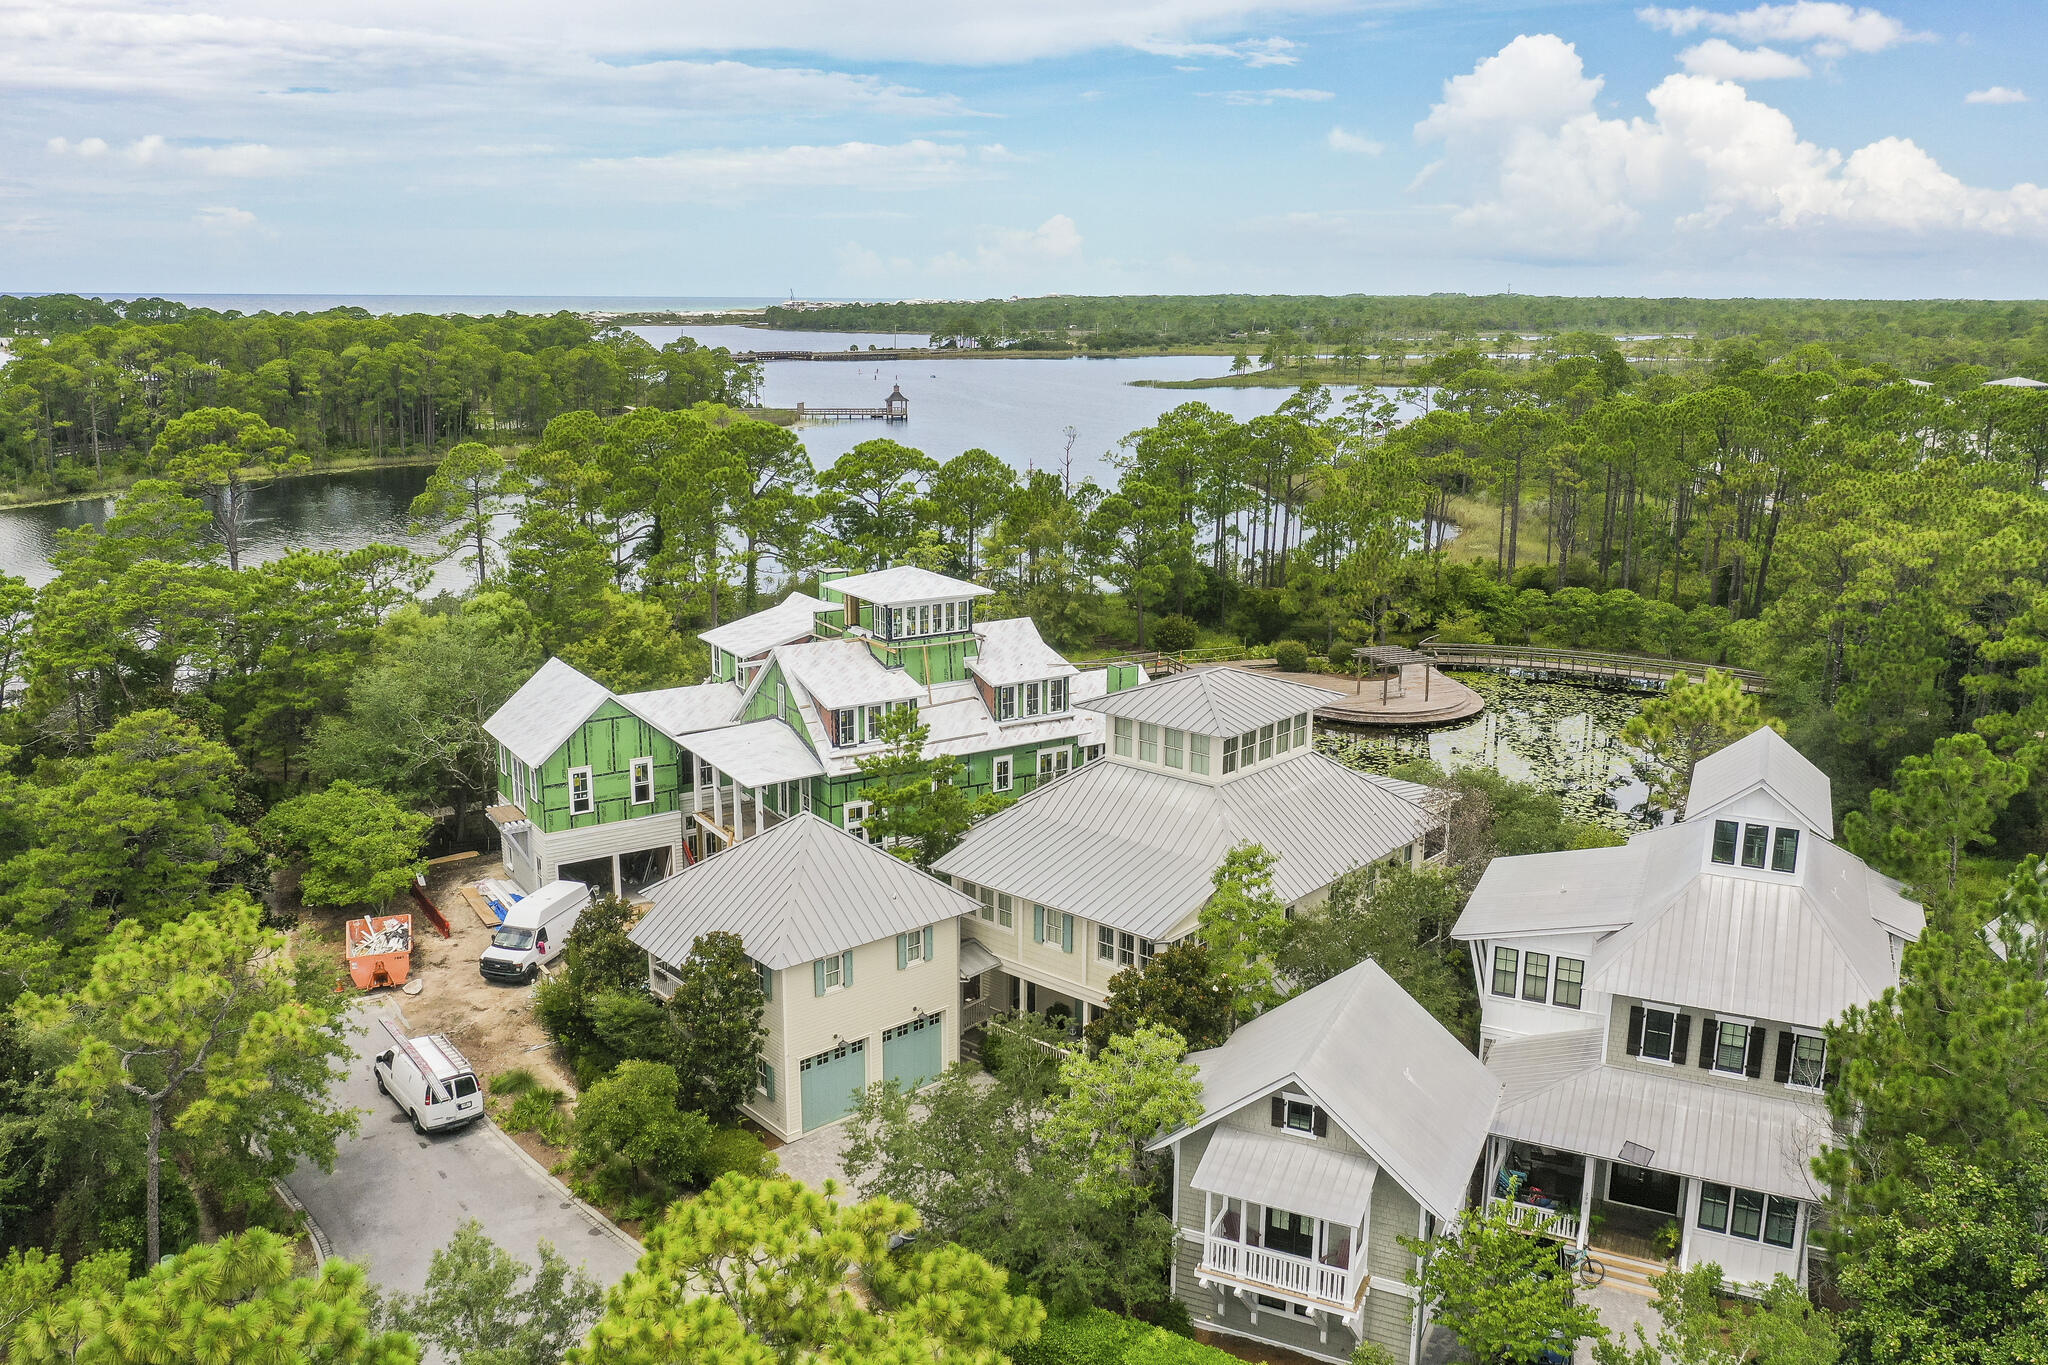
<point x="749" y="779"/>
<point x="1284" y="1224"/>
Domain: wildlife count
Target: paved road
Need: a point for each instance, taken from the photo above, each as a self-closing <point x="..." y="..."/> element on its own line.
<point x="396" y="1197"/>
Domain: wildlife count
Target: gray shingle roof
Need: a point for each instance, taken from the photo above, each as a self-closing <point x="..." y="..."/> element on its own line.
<point x="546" y="710"/>
<point x="843" y="673"/>
<point x="787" y="621"/>
<point x="1763" y="759"/>
<point x="1134" y="848"/>
<point x="1557" y="1094"/>
<point x="1383" y="1067"/>
<point x="905" y="583"/>
<point x="801" y="891"/>
<point x="683" y="710"/>
<point x="1215" y="701"/>
<point x="1012" y="651"/>
<point x="757" y="753"/>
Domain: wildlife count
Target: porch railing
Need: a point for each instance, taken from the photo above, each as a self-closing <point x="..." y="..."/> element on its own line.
<point x="1297" y="1275"/>
<point x="1559" y="1223"/>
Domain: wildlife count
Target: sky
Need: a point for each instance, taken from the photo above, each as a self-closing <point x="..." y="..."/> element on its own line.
<point x="982" y="148"/>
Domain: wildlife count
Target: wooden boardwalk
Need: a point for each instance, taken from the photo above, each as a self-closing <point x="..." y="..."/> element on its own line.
<point x="818" y="355"/>
<point x="1636" y="670"/>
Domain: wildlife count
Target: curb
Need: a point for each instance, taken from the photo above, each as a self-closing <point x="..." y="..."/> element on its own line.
<point x="314" y="1233"/>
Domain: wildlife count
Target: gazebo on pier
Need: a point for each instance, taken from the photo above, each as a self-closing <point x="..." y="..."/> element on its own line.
<point x="1386" y="662"/>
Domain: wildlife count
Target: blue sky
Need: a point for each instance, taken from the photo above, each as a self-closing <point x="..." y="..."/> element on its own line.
<point x="968" y="148"/>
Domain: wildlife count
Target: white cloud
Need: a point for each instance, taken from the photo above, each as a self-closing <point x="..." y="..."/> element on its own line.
<point x="1258" y="97"/>
<point x="1012" y="253"/>
<point x="1721" y="58"/>
<point x="1831" y="29"/>
<point x="1254" y="52"/>
<point x="707" y="173"/>
<point x="223" y="218"/>
<point x="1997" y="94"/>
<point x="1527" y="156"/>
<point x="1343" y="140"/>
<point x="239" y="160"/>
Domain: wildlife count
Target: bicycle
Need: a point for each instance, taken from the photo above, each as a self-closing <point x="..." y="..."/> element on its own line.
<point x="1579" y="1261"/>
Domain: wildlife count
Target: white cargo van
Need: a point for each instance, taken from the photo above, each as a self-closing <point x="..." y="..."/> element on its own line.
<point x="431" y="1081"/>
<point x="534" y="932"/>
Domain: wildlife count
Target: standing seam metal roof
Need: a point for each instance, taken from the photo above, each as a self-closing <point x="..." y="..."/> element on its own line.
<point x="1763" y="758"/>
<point x="1287" y="1172"/>
<point x="1386" y="1070"/>
<point x="1135" y="848"/>
<point x="800" y="891"/>
<point x="1215" y="701"/>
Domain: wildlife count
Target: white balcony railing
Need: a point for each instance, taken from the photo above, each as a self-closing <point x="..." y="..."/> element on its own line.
<point x="1296" y="1275"/>
<point x="1562" y="1224"/>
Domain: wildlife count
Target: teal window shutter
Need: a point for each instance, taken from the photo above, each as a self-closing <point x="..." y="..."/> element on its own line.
<point x="1067" y="933"/>
<point x="846" y="968"/>
<point x="768" y="1075"/>
<point x="927" y="943"/>
<point x="1038" y="924"/>
<point x="902" y="951"/>
<point x="818" y="977"/>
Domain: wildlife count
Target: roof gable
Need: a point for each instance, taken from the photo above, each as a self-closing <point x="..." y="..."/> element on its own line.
<point x="1012" y="651"/>
<point x="790" y="620"/>
<point x="545" y="711"/>
<point x="1214" y="701"/>
<point x="904" y="583"/>
<point x="799" y="891"/>
<point x="1763" y="759"/>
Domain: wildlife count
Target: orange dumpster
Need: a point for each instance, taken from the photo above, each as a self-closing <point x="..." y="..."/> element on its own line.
<point x="379" y="950"/>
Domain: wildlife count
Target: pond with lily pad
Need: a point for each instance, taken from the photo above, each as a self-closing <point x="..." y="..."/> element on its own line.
<point x="1563" y="737"/>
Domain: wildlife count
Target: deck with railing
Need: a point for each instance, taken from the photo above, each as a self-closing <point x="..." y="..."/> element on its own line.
<point x="1562" y="1224"/>
<point x="1330" y="1286"/>
<point x="1641" y="670"/>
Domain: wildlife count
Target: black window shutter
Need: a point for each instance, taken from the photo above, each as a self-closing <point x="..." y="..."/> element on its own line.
<point x="1279" y="1112"/>
<point x="1755" y="1068"/>
<point x="1681" y="1034"/>
<point x="1782" y="1071"/>
<point x="1322" y="1122"/>
<point x="1635" y="1030"/>
<point x="1710" y="1038"/>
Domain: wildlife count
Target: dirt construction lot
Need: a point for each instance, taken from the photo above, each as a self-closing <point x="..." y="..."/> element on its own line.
<point x="493" y="1024"/>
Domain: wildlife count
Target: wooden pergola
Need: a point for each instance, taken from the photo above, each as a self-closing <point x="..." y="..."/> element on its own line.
<point x="1392" y="659"/>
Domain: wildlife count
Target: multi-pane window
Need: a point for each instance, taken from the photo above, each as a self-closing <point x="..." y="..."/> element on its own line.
<point x="1283" y="738"/>
<point x="1785" y="850"/>
<point x="1123" y="736"/>
<point x="1265" y="742"/>
<point x="834" y="970"/>
<point x="1105" y="943"/>
<point x="1746" y="1215"/>
<point x="1006" y="910"/>
<point x="1754" y="839"/>
<point x="1056" y="695"/>
<point x="1809" y="1060"/>
<point x="1006" y="703"/>
<point x="875" y="714"/>
<point x="1229" y="753"/>
<point x="842" y="728"/>
<point x="1536" y="977"/>
<point x="1731" y="1047"/>
<point x="1301" y="729"/>
<point x="1781" y="1221"/>
<point x="1505" y="963"/>
<point x="895" y="623"/>
<point x="1660" y="1034"/>
<point x="1002" y="773"/>
<point x="1571" y="976"/>
<point x="1749" y="1214"/>
<point x="581" y="800"/>
<point x="1031" y="698"/>
<point x="1725" y="834"/>
<point x="1299" y="1115"/>
<point x="643" y="781"/>
<point x="1174" y="739"/>
<point x="1198" y="754"/>
<point x="950" y="615"/>
<point x="1148" y="742"/>
<point x="987" y="896"/>
<point x="1714" y="1207"/>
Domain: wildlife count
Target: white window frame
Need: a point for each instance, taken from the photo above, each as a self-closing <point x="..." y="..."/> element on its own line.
<point x="1006" y="910"/>
<point x="1061" y="763"/>
<point x="1148" y="742"/>
<point x="1056" y="696"/>
<point x="589" y="804"/>
<point x="1032" y="699"/>
<point x="1006" y="702"/>
<point x="1198" y="754"/>
<point x="835" y="979"/>
<point x="855" y="815"/>
<point x="1820" y="1079"/>
<point x="1105" y="943"/>
<point x="1002" y="772"/>
<point x="1643" y="1055"/>
<point x="643" y="773"/>
<point x="1123" y="730"/>
<point x="844" y="735"/>
<point x="872" y="717"/>
<point x="1748" y="1027"/>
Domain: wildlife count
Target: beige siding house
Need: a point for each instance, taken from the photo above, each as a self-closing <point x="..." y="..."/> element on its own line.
<point x="1333" y="1126"/>
<point x="859" y="955"/>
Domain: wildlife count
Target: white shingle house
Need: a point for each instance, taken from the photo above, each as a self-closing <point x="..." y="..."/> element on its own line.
<point x="1097" y="870"/>
<point x="1656" y="1014"/>
<point x="1332" y="1127"/>
<point x="858" y="953"/>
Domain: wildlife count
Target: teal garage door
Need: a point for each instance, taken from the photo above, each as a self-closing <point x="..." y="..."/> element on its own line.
<point x="914" y="1053"/>
<point x="832" y="1082"/>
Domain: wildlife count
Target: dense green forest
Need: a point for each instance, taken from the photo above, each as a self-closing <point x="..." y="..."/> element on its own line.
<point x="1915" y="336"/>
<point x="93" y="385"/>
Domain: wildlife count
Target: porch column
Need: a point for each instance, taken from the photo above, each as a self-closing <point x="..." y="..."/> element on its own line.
<point x="1684" y="1220"/>
<point x="1586" y="1199"/>
<point x="739" y="810"/>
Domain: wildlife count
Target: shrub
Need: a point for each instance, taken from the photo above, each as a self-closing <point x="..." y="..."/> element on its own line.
<point x="532" y="1109"/>
<point x="1174" y="633"/>
<point x="517" y="1081"/>
<point x="1291" y="656"/>
<point x="630" y="1118"/>
<point x="1100" y="1337"/>
<point x="1340" y="653"/>
<point x="735" y="1149"/>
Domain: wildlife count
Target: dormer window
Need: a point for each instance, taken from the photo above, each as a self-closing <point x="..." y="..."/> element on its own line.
<point x="1299" y="1116"/>
<point x="1754" y="843"/>
<point x="1031" y="699"/>
<point x="1006" y="703"/>
<point x="1056" y="696"/>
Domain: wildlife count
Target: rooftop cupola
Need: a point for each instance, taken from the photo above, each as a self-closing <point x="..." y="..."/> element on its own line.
<point x="906" y="602"/>
<point x="1212" y="723"/>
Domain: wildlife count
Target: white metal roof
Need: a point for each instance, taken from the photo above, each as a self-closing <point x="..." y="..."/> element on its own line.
<point x="545" y="711"/>
<point x="1580" y="889"/>
<point x="801" y="890"/>
<point x="789" y="620"/>
<point x="1557" y="1094"/>
<point x="1012" y="651"/>
<point x="2018" y="381"/>
<point x="905" y="583"/>
<point x="1380" y="1064"/>
<point x="1763" y="759"/>
<point x="1134" y="848"/>
<point x="684" y="710"/>
<point x="1288" y="1173"/>
<point x="1215" y="701"/>
<point x="757" y="753"/>
<point x="975" y="958"/>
